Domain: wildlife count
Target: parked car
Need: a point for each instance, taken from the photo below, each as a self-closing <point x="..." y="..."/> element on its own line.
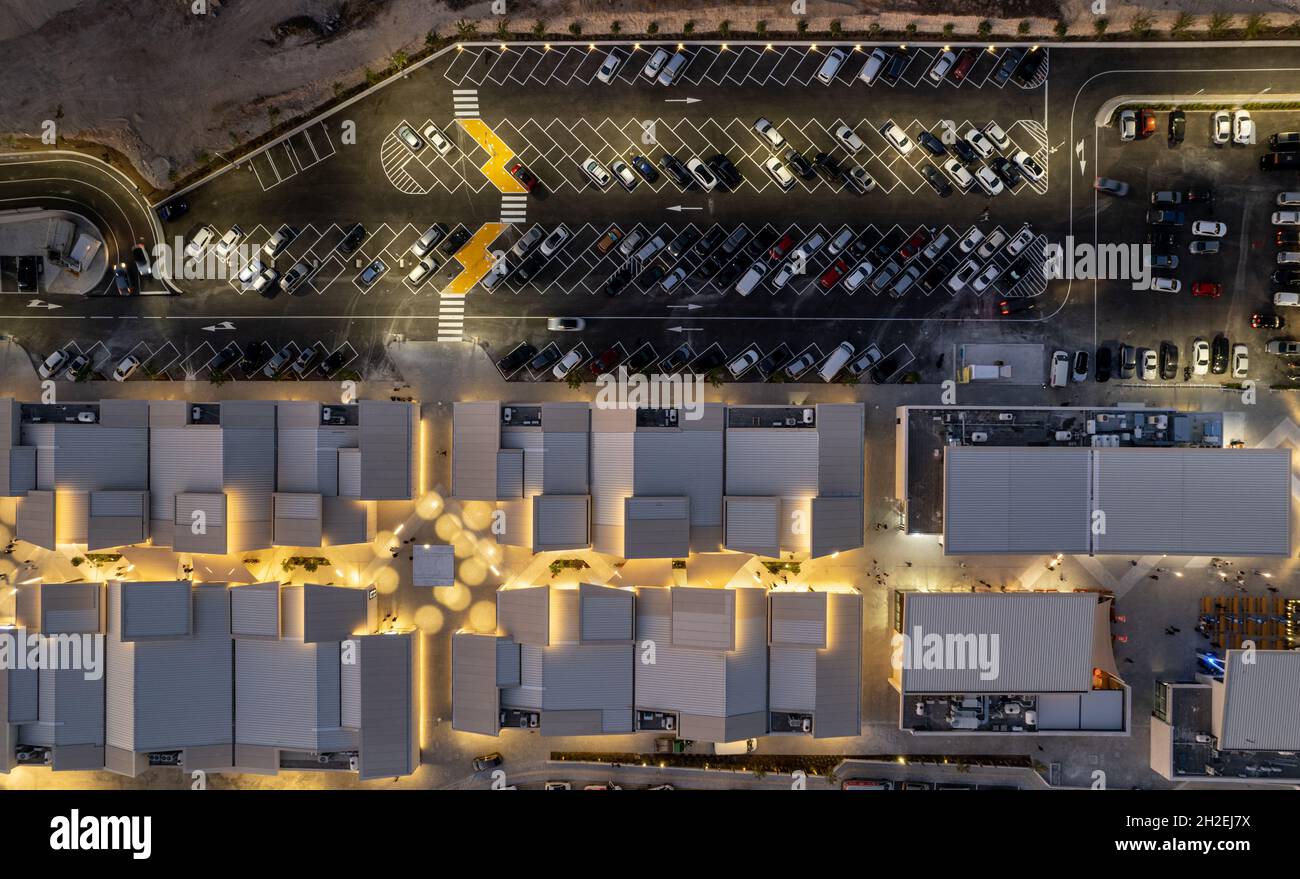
<point x="53" y="364"/>
<point x="523" y="353"/>
<point x="278" y="362"/>
<point x="126" y="368"/>
<point x="609" y="67"/>
<point x="429" y="240"/>
<point x="277" y="243"/>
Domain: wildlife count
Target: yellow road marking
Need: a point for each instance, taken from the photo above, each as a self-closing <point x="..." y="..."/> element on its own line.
<point x="475" y="258"/>
<point x="499" y="155"/>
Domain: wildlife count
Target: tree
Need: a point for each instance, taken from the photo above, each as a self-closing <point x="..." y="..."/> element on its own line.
<point x="575" y="28"/>
<point x="1256" y="25"/>
<point x="760" y="26"/>
<point x="688" y="28"/>
<point x="836" y="28"/>
<point x="948" y="29"/>
<point x="1220" y="24"/>
<point x="574" y="379"/>
<point x="724" y="27"/>
<point x="652" y="28"/>
<point x="801" y="26"/>
<point x="1100" y="25"/>
<point x="539" y="29"/>
<point x="1061" y="29"/>
<point x="1023" y="27"/>
<point x="615" y="27"/>
<point x="910" y="30"/>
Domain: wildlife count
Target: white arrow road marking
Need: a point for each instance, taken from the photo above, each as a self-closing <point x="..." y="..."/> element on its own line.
<point x="681" y="207"/>
<point x="224" y="325"/>
<point x="36" y="303"/>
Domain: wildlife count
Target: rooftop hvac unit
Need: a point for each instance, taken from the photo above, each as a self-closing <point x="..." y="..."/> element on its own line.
<point x="670" y="722"/>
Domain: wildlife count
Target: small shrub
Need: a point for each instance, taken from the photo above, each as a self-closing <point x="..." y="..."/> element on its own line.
<point x="836" y="28"/>
<point x="984" y="28"/>
<point x="616" y="27"/>
<point x="575" y="28"/>
<point x="760" y="26"/>
<point x="724" y="27"/>
<point x="539" y="29"/>
<point x="688" y="28"/>
<point x="948" y="30"/>
<point x="1099" y="26"/>
<point x="1220" y="24"/>
<point x="1140" y="26"/>
<point x="801" y="26"/>
<point x="652" y="28"/>
<point x="1061" y="29"/>
<point x="1181" y="24"/>
<point x="1023" y="27"/>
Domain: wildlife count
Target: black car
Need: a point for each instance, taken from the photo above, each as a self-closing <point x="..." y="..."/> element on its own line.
<point x="1286" y="277"/>
<point x="255" y="358"/>
<point x="1162" y="238"/>
<point x="680" y="356"/>
<point x="1103" y="364"/>
<point x="710" y="359"/>
<point x="546" y="359"/>
<point x="333" y="363"/>
<point x="1265" y="321"/>
<point x="516" y="358"/>
<point x="1165" y="218"/>
<point x="652" y="274"/>
<point x="897" y="64"/>
<point x="1177" y="127"/>
<point x="827" y="167"/>
<point x="964" y="150"/>
<point x="768" y="364"/>
<point x="643" y="357"/>
<point x="732" y="271"/>
<point x="1008" y="171"/>
<point x="1168" y="361"/>
<point x="1016" y="306"/>
<point x="1288" y="237"/>
<point x="932" y="143"/>
<point x="1279" y="162"/>
<point x="531" y="266"/>
<point x="683" y="240"/>
<point x="886" y="368"/>
<point x="890" y="243"/>
<point x="455" y="241"/>
<point x="173" y="209"/>
<point x="644" y="167"/>
<point x="616" y="282"/>
<point x="225" y="359"/>
<point x="353" y="239"/>
<point x="725" y="170"/>
<point x="1029" y="66"/>
<point x="674" y="168"/>
<point x="801" y="166"/>
<point x="1219" y="355"/>
<point x="1011" y="59"/>
<point x="757" y="245"/>
<point x="936" y="180"/>
<point x="121" y="280"/>
<point x="1017" y="270"/>
<point x="709" y="242"/>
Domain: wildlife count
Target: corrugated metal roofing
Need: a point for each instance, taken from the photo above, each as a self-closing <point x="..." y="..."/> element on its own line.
<point x="837" y="524"/>
<point x="754" y="525"/>
<point x="524" y="614"/>
<point x="704" y="618"/>
<point x="772" y="462"/>
<point x="153" y="610"/>
<point x="255" y="610"/>
<point x="474" y="684"/>
<point x="607" y="613"/>
<point x="839" y="669"/>
<point x="560" y="522"/>
<point x="35" y="521"/>
<point x="476" y="437"/>
<point x="387" y="444"/>
<point x="389" y="744"/>
<point x="1016" y="500"/>
<point x="656" y="527"/>
<point x="1261" y="701"/>
<point x="347" y="521"/>
<point x="799" y="619"/>
<point x="841" y="431"/>
<point x="1044" y="641"/>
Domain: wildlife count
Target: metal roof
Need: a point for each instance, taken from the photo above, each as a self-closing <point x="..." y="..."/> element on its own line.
<point x="388" y="444"/>
<point x="560" y="522"/>
<point x="475" y="684"/>
<point x="433" y="565"/>
<point x="1044" y="641"/>
<point x="1177" y="501"/>
<point x="816" y="658"/>
<point x="1257" y="706"/>
<point x="476" y="437"/>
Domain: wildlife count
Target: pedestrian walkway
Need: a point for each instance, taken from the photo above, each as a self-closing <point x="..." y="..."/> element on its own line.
<point x="475" y="258"/>
<point x="499" y="155"/>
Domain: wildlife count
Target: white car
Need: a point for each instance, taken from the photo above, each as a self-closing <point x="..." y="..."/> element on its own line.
<point x="130" y="363"/>
<point x="1032" y="169"/>
<point x="228" y="241"/>
<point x="655" y="64"/>
<point x="897" y="138"/>
<point x="979" y="143"/>
<point x="703" y="174"/>
<point x="1243" y="127"/>
<point x="988" y="181"/>
<point x="1288" y="258"/>
<point x="963" y="275"/>
<point x="995" y="240"/>
<point x="780" y="173"/>
<point x="1286" y="298"/>
<point x="999" y="137"/>
<point x="742" y="363"/>
<point x="672" y="68"/>
<point x="1128" y="125"/>
<point x="1209" y="228"/>
<point x="609" y="67"/>
<point x="987" y="277"/>
<point x="200" y="242"/>
<point x="1221" y="127"/>
<point x="849" y="138"/>
<point x="959" y="174"/>
<point x="1286" y="218"/>
<point x="769" y="133"/>
<point x="555" y="240"/>
<point x="1240" y="361"/>
<point x="426" y="242"/>
<point x="1150" y="368"/>
<point x="422" y="270"/>
<point x="1020" y="242"/>
<point x="831" y="66"/>
<point x="874" y="65"/>
<point x="1288" y="199"/>
<point x="265" y="281"/>
<point x="437" y="139"/>
<point x="623" y="174"/>
<point x="970" y="241"/>
<point x="1166" y="285"/>
<point x="250" y="271"/>
<point x="53" y="364"/>
<point x="566" y="364"/>
<point x="1060" y="371"/>
<point x="1200" y="357"/>
<point x="596" y="171"/>
<point x="858" y="276"/>
<point x="941" y="67"/>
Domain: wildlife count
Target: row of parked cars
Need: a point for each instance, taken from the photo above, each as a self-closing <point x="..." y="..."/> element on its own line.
<point x="1165" y="220"/>
<point x="260" y="358"/>
<point x="1217" y="357"/>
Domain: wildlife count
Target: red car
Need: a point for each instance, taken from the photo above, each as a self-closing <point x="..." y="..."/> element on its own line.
<point x="832" y="275"/>
<point x="965" y="61"/>
<point x="1205" y="288"/>
<point x="606" y="361"/>
<point x="914" y="244"/>
<point x="523" y="175"/>
<point x="781" y="248"/>
<point x="1146" y="122"/>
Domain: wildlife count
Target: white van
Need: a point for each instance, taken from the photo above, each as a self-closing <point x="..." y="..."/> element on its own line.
<point x="751" y="278"/>
<point x="1286" y="298"/>
<point x="1060" y="369"/>
<point x="835" y="362"/>
<point x="672" y="68"/>
<point x="830" y="67"/>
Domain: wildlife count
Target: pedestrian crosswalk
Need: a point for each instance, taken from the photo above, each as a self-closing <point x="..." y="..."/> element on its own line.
<point x="465" y="102"/>
<point x="451" y="319"/>
<point x="514" y="207"/>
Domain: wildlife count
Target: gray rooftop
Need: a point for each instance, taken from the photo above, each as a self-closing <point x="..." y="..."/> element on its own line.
<point x="816" y="659"/>
<point x="1257" y="705"/>
<point x="1179" y="501"/>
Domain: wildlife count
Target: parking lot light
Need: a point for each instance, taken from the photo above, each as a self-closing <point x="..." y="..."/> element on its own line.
<point x="681" y="47"/>
<point x="993" y="48"/>
<point x="547" y="47"/>
<point x="460" y="48"/>
<point x="769" y="47"/>
<point x="503" y="47"/>
<point x="857" y="48"/>
<point x="1033" y="48"/>
<point x="636" y="46"/>
<point x="902" y="46"/>
<point x="813" y="47"/>
<point x="591" y="46"/>
<point x="724" y="47"/>
<point x="946" y="49"/>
